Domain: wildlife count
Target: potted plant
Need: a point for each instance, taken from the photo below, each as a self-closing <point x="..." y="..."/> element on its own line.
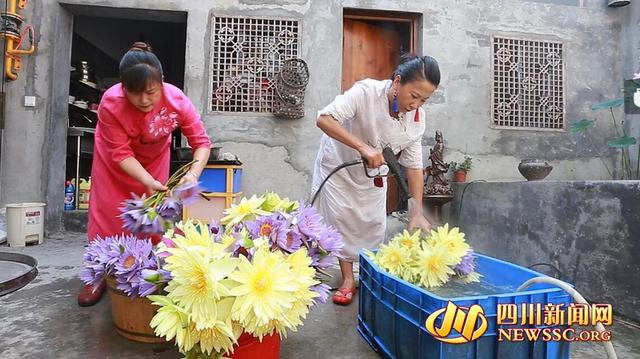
<point x="460" y="169"/>
<point x="231" y="288"/>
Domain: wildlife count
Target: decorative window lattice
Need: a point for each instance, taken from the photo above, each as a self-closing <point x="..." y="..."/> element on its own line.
<point x="528" y="84"/>
<point x="247" y="55"/>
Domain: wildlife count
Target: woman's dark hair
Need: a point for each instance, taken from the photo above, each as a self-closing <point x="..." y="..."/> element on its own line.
<point x="138" y="67"/>
<point x="414" y="67"/>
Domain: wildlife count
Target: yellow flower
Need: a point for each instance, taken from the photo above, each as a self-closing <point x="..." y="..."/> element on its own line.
<point x="452" y="239"/>
<point x="372" y="256"/>
<point x="408" y="240"/>
<point x="470" y="278"/>
<point x="172" y="321"/>
<point x="300" y="264"/>
<point x="273" y="326"/>
<point x="193" y="235"/>
<point x="396" y="259"/>
<point x="198" y="282"/>
<point x="266" y="287"/>
<point x="273" y="203"/>
<point x="434" y="266"/>
<point x="221" y="337"/>
<point x="247" y="209"/>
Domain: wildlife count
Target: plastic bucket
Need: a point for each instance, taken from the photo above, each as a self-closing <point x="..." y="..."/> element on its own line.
<point x="25" y="223"/>
<point x="250" y="347"/>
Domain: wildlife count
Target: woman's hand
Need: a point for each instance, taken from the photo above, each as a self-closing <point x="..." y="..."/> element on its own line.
<point x="155" y="186"/>
<point x="419" y="222"/>
<point x="372" y="156"/>
<point x="188" y="178"/>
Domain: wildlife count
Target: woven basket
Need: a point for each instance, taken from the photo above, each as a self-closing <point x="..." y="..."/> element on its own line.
<point x="290" y="86"/>
<point x="295" y="73"/>
<point x="287" y="111"/>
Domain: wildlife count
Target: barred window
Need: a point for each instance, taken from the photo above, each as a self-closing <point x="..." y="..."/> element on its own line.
<point x="247" y="53"/>
<point x="528" y="84"/>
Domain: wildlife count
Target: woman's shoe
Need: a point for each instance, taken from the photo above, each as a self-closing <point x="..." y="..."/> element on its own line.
<point x="91" y="294"/>
<point x="344" y="296"/>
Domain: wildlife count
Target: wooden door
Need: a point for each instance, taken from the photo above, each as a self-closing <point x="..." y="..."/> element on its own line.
<point x="369" y="50"/>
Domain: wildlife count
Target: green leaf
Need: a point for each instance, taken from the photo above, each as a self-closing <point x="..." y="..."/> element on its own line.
<point x="621" y="142"/>
<point x="582" y="125"/>
<point x="609" y="104"/>
<point x="160" y="300"/>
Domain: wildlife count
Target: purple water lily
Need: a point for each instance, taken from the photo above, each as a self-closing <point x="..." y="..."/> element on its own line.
<point x="152" y="279"/>
<point x="330" y="240"/>
<point x="289" y="239"/>
<point x="186" y="192"/>
<point x="136" y="255"/>
<point x="98" y="260"/>
<point x="170" y="209"/>
<point x="309" y="221"/>
<point x="323" y="290"/>
<point x="468" y="263"/>
<point x="215" y="227"/>
<point x="265" y="226"/>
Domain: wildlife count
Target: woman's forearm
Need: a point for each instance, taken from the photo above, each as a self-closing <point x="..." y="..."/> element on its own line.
<point x="416" y="183"/>
<point x="333" y="128"/>
<point x="201" y="156"/>
<point x="133" y="168"/>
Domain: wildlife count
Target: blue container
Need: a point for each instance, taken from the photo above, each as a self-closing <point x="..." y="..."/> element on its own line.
<point x="393" y="313"/>
<point x="215" y="179"/>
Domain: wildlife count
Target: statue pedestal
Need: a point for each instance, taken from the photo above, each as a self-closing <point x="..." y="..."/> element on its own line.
<point x="434" y="202"/>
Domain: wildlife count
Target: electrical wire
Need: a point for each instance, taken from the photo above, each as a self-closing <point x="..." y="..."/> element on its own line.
<point x="32" y="35"/>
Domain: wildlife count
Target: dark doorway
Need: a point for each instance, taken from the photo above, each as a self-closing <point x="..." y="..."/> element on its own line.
<point x="372" y="44"/>
<point x="98" y="43"/>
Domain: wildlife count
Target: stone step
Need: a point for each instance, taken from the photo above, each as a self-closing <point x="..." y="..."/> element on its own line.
<point x="75" y="221"/>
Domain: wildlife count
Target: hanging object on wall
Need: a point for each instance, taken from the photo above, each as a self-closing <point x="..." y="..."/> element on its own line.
<point x="291" y="83"/>
<point x="14" y="38"/>
<point x="618" y="3"/>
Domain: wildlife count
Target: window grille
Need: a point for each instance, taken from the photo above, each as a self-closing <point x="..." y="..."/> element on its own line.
<point x="528" y="84"/>
<point x="247" y="55"/>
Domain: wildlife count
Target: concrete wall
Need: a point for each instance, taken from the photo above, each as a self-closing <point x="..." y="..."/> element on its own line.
<point x="279" y="154"/>
<point x="588" y="230"/>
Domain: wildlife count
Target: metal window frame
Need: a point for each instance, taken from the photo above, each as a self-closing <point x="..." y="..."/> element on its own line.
<point x="210" y="95"/>
<point x="533" y="38"/>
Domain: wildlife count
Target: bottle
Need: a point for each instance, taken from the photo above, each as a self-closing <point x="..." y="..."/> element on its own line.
<point x="69" y="196"/>
<point x="84" y="189"/>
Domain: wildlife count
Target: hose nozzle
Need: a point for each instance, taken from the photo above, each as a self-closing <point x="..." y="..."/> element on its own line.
<point x="394" y="167"/>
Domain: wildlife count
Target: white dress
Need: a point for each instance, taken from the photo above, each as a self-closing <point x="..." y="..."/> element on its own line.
<point x="349" y="200"/>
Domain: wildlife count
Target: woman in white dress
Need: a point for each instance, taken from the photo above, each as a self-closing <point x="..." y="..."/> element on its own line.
<point x="359" y="124"/>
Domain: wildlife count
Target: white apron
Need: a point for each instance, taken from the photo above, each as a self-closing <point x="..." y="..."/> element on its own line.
<point x="349" y="200"/>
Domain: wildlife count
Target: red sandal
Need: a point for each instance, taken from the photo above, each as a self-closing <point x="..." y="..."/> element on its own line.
<point x="344" y="296"/>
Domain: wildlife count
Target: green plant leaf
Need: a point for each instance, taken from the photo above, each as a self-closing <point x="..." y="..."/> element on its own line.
<point x="582" y="125"/>
<point x="609" y="104"/>
<point x="621" y="142"/>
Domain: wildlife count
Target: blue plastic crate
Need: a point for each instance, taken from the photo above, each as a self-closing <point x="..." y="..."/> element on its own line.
<point x="393" y="312"/>
<point x="215" y="180"/>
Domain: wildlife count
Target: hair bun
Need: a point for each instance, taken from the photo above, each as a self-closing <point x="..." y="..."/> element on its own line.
<point x="140" y="46"/>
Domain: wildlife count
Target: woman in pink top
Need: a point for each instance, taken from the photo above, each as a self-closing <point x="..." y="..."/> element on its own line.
<point x="132" y="144"/>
